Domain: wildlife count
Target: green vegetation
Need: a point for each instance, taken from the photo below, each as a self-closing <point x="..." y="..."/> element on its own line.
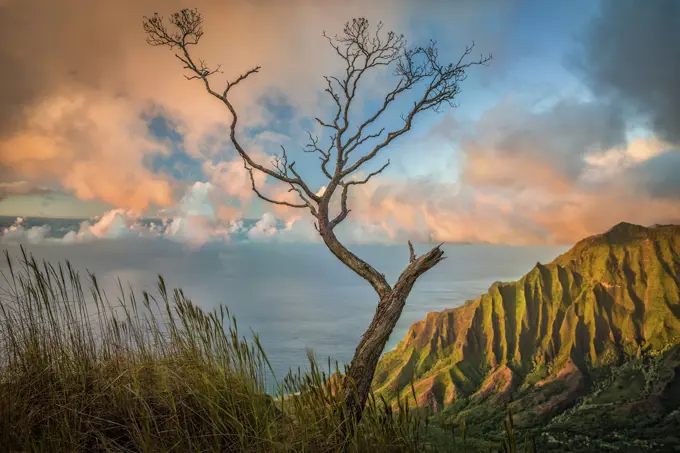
<point x="81" y="373"/>
<point x="583" y="350"/>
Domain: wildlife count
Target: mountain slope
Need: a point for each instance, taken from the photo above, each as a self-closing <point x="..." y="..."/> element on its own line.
<point x="612" y="298"/>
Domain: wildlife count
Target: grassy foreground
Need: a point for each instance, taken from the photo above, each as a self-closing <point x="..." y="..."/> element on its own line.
<point x="81" y="373"/>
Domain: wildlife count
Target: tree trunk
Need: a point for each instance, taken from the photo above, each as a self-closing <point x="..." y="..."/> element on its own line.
<point x="362" y="368"/>
<point x="357" y="381"/>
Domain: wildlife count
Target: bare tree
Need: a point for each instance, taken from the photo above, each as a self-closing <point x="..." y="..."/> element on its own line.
<point x="418" y="72"/>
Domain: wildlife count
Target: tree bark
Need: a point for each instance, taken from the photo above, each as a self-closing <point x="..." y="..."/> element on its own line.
<point x="357" y="381"/>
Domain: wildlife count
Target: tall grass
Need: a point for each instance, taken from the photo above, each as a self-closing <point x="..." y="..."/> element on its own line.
<point x="155" y="373"/>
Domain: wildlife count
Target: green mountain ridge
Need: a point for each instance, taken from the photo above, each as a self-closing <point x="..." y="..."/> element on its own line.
<point x="553" y="337"/>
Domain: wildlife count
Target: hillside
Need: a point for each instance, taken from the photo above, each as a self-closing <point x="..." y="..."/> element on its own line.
<point x="606" y="313"/>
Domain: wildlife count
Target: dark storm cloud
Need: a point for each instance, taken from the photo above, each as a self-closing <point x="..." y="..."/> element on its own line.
<point x="659" y="176"/>
<point x="629" y="57"/>
<point x="16" y="90"/>
<point x="45" y="46"/>
<point x="631" y="52"/>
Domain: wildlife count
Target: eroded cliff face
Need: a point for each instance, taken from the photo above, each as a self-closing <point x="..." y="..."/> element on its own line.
<point x="611" y="297"/>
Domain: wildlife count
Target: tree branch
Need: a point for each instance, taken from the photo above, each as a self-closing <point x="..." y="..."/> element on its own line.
<point x="359" y="266"/>
<point x="367" y="178"/>
<point x="414" y="66"/>
<point x="344" y="210"/>
<point x="265" y="198"/>
<point x="361" y="50"/>
<point x="418" y="266"/>
<point x="313" y="146"/>
<point x="189" y="25"/>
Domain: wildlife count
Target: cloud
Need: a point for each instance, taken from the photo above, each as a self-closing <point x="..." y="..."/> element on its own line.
<point x="429" y="211"/>
<point x="658" y="175"/>
<point x="21" y="188"/>
<point x="614" y="162"/>
<point x="525" y="196"/>
<point x="266" y="227"/>
<point x="83" y="89"/>
<point x="86" y="66"/>
<point x="195" y="220"/>
<point x="423" y="210"/>
<point x="75" y="103"/>
<point x="393" y="211"/>
<point x="233" y="180"/>
<point x="92" y="146"/>
<point x="514" y="147"/>
<point x="113" y="225"/>
<point x="18" y="233"/>
<point x="587" y="212"/>
<point x="631" y="53"/>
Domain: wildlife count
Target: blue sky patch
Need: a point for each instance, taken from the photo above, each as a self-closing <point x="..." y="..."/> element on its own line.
<point x="178" y="163"/>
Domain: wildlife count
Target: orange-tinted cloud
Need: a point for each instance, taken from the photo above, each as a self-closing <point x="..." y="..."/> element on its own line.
<point x="523" y="197"/>
<point x="90" y="146"/>
<point x="427" y="211"/>
<point x="79" y="76"/>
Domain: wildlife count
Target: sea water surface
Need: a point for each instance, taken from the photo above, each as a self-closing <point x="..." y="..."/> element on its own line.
<point x="295" y="296"/>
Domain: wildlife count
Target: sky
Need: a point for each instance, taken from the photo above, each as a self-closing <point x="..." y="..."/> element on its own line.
<point x="572" y="127"/>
